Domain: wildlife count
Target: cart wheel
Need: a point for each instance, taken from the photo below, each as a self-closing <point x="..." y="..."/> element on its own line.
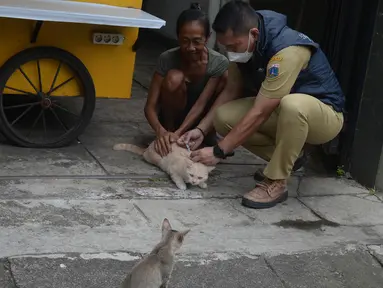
<point x="42" y="113"/>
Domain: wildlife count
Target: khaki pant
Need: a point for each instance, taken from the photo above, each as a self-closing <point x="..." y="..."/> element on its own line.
<point x="299" y="119"/>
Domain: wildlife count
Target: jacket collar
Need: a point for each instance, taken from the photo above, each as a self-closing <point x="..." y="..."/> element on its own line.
<point x="262" y="39"/>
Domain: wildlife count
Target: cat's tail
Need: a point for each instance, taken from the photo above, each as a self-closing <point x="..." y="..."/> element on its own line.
<point x="129" y="147"/>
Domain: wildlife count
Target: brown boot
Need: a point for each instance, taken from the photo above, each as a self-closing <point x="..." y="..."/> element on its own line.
<point x="266" y="194"/>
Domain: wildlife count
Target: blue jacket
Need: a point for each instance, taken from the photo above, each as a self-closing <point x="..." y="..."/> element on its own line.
<point x="317" y="80"/>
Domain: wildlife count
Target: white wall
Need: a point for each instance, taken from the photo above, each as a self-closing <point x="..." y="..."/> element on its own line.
<point x="169" y="10"/>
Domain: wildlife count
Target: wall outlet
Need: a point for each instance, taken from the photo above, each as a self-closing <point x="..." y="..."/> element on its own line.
<point x="108" y="39"/>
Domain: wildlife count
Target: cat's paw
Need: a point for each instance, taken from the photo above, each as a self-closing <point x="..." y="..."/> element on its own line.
<point x="181" y="186"/>
<point x="203" y="185"/>
<point x="119" y="146"/>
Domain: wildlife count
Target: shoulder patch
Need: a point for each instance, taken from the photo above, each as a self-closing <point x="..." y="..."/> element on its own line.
<point x="273" y="71"/>
<point x="276" y="58"/>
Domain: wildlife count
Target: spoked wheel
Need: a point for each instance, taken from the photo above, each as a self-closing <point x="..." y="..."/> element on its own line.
<point x="47" y="98"/>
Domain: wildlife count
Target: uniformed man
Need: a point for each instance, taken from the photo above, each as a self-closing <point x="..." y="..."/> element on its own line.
<point x="297" y="100"/>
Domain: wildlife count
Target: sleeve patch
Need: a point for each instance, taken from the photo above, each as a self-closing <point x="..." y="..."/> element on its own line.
<point x="273" y="71"/>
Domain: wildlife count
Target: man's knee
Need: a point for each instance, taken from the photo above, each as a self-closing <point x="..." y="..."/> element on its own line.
<point x="229" y="114"/>
<point x="222" y="119"/>
<point x="294" y="105"/>
<point x="174" y="80"/>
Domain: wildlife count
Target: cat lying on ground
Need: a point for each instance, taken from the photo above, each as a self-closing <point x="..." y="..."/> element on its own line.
<point x="154" y="270"/>
<point x="177" y="164"/>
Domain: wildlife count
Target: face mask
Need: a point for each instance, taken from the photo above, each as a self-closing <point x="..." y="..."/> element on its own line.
<point x="242" y="57"/>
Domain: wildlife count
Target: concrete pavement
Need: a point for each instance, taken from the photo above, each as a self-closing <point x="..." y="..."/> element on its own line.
<point x="349" y="266"/>
<point x="81" y="216"/>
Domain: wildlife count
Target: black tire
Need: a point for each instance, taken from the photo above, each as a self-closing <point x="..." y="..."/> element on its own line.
<point x="80" y="71"/>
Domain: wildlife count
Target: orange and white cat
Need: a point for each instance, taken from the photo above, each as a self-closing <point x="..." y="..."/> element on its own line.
<point x="177" y="164"/>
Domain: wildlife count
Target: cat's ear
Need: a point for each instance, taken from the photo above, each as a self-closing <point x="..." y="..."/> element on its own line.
<point x="210" y="168"/>
<point x="166" y="227"/>
<point x="182" y="235"/>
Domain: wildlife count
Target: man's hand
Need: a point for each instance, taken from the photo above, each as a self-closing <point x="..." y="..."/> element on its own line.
<point x="193" y="138"/>
<point x="163" y="144"/>
<point x="205" y="156"/>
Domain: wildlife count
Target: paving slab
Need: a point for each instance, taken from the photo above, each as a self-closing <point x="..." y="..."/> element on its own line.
<point x="6" y="280"/>
<point x="322" y="186"/>
<point x="120" y="162"/>
<point x="72" y="160"/>
<point x="377" y="252"/>
<point x="98" y="189"/>
<point x="120" y="110"/>
<point x="291" y="213"/>
<point x="97" y="130"/>
<point x="378" y="230"/>
<point x="220" y="226"/>
<point x="139" y="92"/>
<point x="240" y="272"/>
<point x="370" y="197"/>
<point x="293" y="184"/>
<point x="144" y="73"/>
<point x="66" y="213"/>
<point x="165" y="189"/>
<point x="66" y="189"/>
<point x="244" y="182"/>
<point x="340" y="268"/>
<point x="148" y="56"/>
<point x="75" y="271"/>
<point x="347" y="267"/>
<point x="33" y="226"/>
<point x="206" y="214"/>
<point x="90" y="226"/>
<point x="32" y="272"/>
<point x="347" y="210"/>
<point x="120" y="229"/>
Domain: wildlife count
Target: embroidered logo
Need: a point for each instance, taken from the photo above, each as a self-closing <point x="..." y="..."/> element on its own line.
<point x="273" y="70"/>
<point x="276" y="58"/>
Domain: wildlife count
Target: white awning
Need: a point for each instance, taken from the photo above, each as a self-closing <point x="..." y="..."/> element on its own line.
<point x="78" y="12"/>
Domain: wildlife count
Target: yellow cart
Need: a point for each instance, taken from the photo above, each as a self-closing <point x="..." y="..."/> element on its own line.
<point x="56" y="57"/>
